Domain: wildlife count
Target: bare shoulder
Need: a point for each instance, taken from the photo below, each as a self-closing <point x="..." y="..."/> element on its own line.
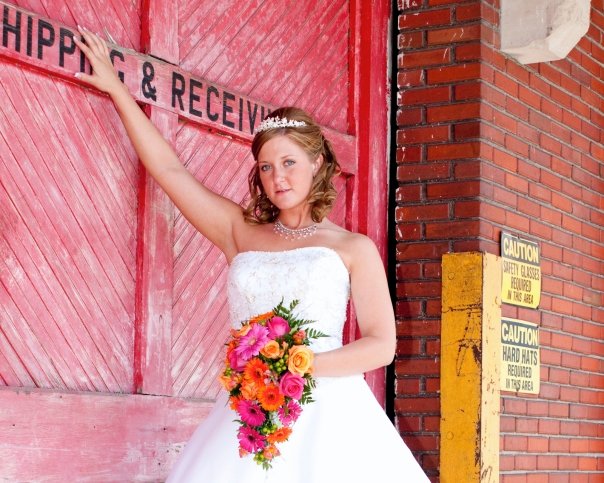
<point x="356" y="250"/>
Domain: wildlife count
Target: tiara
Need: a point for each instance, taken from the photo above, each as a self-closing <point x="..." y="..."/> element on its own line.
<point x="277" y="122"/>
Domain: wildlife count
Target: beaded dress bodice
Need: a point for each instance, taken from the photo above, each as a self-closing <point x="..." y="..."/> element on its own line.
<point x="315" y="276"/>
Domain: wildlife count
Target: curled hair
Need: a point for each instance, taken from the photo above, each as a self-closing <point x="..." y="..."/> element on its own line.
<point x="322" y="193"/>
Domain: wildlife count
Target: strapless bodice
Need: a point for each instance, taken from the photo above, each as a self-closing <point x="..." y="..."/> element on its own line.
<point x="315" y="276"/>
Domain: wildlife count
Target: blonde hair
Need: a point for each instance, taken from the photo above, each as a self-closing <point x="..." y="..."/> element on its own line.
<point x="322" y="193"/>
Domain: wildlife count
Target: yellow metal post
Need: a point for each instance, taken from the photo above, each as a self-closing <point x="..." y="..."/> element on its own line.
<point x="470" y="355"/>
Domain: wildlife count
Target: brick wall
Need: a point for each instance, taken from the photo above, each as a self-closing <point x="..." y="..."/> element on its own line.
<point x="485" y="144"/>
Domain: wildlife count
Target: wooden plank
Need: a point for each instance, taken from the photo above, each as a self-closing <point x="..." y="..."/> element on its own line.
<point x="46" y="248"/>
<point x="155" y="260"/>
<point x="150" y="80"/>
<point x="470" y="360"/>
<point x="87" y="437"/>
<point x="372" y="123"/>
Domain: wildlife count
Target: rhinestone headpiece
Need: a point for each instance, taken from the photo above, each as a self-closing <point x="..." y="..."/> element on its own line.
<point x="277" y="122"/>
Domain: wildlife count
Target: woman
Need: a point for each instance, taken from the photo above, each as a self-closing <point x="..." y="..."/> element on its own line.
<point x="283" y="247"/>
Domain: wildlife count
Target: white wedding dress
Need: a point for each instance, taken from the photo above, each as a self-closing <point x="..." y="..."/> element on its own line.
<point x="344" y="435"/>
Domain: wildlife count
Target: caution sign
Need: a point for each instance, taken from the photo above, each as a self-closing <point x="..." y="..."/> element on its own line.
<point x="521" y="284"/>
<point x="520" y="361"/>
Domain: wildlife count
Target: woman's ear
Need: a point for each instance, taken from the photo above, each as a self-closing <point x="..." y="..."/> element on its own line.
<point x="317" y="164"/>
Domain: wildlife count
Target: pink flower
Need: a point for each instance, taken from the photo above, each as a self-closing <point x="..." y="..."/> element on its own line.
<point x="277" y="327"/>
<point x="289" y="413"/>
<point x="250" y="440"/>
<point x="236" y="362"/>
<point x="292" y="385"/>
<point x="251" y="343"/>
<point x="251" y="413"/>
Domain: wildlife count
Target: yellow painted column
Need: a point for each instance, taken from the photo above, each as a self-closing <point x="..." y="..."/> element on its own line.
<point x="470" y="362"/>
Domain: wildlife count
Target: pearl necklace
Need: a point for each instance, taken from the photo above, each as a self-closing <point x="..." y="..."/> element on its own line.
<point x="293" y="233"/>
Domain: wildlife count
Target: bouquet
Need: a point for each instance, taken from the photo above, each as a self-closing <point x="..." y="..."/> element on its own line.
<point x="268" y="374"/>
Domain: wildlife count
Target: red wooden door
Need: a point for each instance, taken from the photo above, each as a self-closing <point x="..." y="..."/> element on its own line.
<point x="112" y="308"/>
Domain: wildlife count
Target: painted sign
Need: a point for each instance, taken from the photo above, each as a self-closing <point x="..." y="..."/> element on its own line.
<point x="520" y="361"/>
<point x="45" y="44"/>
<point x="521" y="283"/>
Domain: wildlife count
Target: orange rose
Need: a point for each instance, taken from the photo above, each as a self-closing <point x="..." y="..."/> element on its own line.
<point x="300" y="360"/>
<point x="229" y="382"/>
<point x="248" y="390"/>
<point x="272" y="350"/>
<point x="243" y="330"/>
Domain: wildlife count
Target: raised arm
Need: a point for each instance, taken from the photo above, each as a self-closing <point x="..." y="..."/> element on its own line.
<point x="375" y="316"/>
<point x="213" y="215"/>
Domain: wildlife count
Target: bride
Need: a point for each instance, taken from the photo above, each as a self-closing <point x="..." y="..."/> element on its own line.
<point x="282" y="246"/>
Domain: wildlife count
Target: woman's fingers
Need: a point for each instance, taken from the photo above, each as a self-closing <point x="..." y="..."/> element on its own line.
<point x="96" y="51"/>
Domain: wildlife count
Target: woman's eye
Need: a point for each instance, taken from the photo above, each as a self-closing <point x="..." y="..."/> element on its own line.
<point x="289" y="162"/>
<point x="265" y="167"/>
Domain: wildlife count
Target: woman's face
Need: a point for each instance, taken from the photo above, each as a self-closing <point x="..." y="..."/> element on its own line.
<point x="286" y="172"/>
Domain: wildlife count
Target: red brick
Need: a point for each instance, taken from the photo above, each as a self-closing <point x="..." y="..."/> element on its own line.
<point x="468" y="52"/>
<point x="466" y="130"/>
<point x="537" y="408"/>
<point x="549" y="426"/>
<point x="517" y="222"/>
<point x="408" y="40"/>
<point x="467" y="91"/>
<point x="526" y="425"/>
<point x="431" y="270"/>
<point x="424" y="58"/>
<point x="456" y="73"/>
<point x="452" y="229"/>
<point x="430" y="18"/>
<point x="453" y="151"/>
<point x="516" y="108"/>
<point x="408" y="347"/>
<point x="407" y="117"/>
<point x="411" y="78"/>
<point x="409" y="232"/>
<point x="415" y="135"/>
<point x="467" y="209"/>
<point x="409" y="193"/>
<point x="418" y="289"/>
<point x="406" y="308"/>
<point x="528" y="132"/>
<point x="415" y="251"/>
<point x="469" y="169"/>
<point x="417" y="405"/>
<point x="409" y="154"/>
<point x="418" y="328"/>
<point x="505" y="160"/>
<point x="515" y="443"/>
<point x="423" y="172"/>
<point x="547" y="462"/>
<point x="462" y="33"/>
<point x="539" y="192"/>
<point x="525" y="462"/>
<point x="453" y="190"/>
<point x="433" y="308"/>
<point x="493" y="213"/>
<point x="550" y="109"/>
<point x="429" y="95"/>
<point x="516" y="145"/>
<point x="409" y="4"/>
<point x="422" y="443"/>
<point x="517" y="184"/>
<point x="406" y="271"/>
<point x="559" y="445"/>
<point x="467" y="12"/>
<point x="453" y="112"/>
<point x="422" y="212"/>
<point x="505" y="197"/>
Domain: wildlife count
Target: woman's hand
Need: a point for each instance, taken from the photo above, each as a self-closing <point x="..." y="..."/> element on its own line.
<point x="104" y="76"/>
